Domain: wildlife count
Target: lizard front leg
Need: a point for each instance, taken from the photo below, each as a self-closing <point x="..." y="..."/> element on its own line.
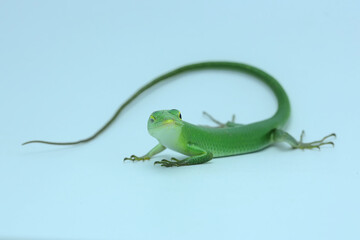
<point x="202" y="156"/>
<point x="157" y="149"/>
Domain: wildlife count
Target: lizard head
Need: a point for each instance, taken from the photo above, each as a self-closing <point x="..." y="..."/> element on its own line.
<point x="165" y="122"/>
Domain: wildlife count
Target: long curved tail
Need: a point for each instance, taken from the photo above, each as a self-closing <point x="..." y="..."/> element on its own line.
<point x="279" y="118"/>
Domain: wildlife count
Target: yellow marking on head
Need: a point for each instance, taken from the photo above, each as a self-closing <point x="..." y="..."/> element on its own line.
<point x="169" y="121"/>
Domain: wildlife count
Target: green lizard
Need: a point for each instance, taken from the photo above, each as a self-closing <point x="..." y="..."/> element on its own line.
<point x="201" y="143"/>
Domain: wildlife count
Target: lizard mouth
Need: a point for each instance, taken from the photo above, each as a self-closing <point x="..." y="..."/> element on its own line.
<point x="167" y="123"/>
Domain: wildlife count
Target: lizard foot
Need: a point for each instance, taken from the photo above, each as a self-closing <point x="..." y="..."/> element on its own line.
<point x="169" y="163"/>
<point x="220" y="124"/>
<point x="135" y="158"/>
<point x="315" y="144"/>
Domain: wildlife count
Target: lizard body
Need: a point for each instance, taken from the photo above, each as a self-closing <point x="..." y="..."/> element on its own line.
<point x="201" y="143"/>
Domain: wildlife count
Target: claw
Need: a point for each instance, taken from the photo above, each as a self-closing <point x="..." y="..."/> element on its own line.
<point x="168" y="163"/>
<point x="327" y="143"/>
<point x="136" y="158"/>
<point x="302" y="136"/>
<point x="174" y="159"/>
<point x="315" y="144"/>
<point x="324" y="138"/>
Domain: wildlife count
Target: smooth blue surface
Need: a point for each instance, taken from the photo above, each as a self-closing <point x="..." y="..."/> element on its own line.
<point x="65" y="66"/>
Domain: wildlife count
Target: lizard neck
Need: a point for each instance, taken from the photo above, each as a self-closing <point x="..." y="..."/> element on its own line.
<point x="168" y="136"/>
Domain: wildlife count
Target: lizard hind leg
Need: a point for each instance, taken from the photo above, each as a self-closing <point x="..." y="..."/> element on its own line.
<point x="282" y="136"/>
<point x="220" y="124"/>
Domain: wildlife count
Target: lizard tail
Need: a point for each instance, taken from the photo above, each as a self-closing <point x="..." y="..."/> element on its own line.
<point x="279" y="118"/>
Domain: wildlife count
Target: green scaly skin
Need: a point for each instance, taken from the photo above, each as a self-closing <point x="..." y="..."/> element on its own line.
<point x="201" y="143"/>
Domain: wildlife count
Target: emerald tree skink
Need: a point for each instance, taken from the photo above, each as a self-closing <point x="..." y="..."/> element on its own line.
<point x="201" y="143"/>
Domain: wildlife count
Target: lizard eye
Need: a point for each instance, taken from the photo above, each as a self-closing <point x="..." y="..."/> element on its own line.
<point x="152" y="119"/>
<point x="180" y="116"/>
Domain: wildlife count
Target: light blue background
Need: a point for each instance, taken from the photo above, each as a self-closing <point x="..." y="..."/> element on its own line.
<point x="65" y="66"/>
